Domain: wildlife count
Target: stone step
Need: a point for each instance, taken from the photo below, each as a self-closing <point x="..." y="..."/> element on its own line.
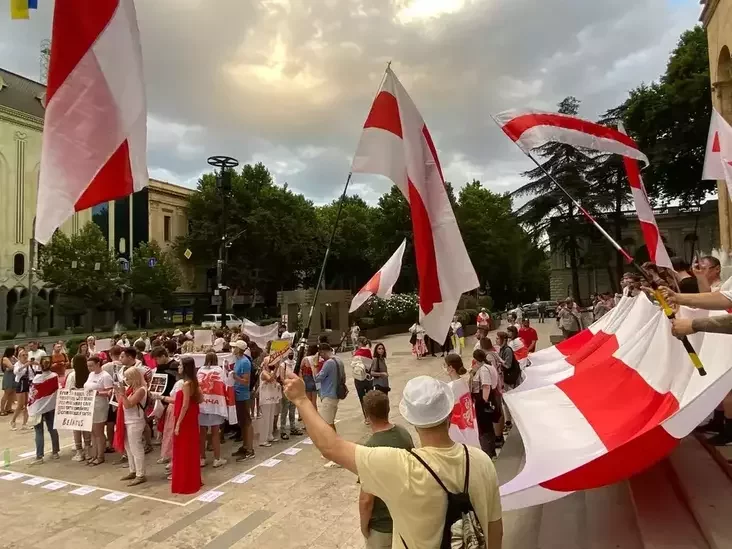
<point x="707" y="491"/>
<point x="663" y="519"/>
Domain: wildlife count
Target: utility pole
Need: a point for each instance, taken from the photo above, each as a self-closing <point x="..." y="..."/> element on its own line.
<point x="223" y="186"/>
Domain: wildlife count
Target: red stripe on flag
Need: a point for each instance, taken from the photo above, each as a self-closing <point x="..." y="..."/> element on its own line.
<point x="373" y="284"/>
<point x="616" y="401"/>
<point x="76" y="26"/>
<point x="515" y="127"/>
<point x="385" y="114"/>
<point x="112" y="182"/>
<point x="45" y="388"/>
<point x="424" y="249"/>
<point x="650" y="236"/>
<point x="715" y="144"/>
<point x="574" y="343"/>
<point x="622" y="463"/>
<point x="433" y="150"/>
<point x="631" y="168"/>
<point x="600" y="347"/>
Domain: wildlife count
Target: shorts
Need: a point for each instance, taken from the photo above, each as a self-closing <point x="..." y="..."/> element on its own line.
<point x="328" y="409"/>
<point x="23" y="386"/>
<point x="242" y="413"/>
<point x="209" y="420"/>
<point x="309" y="384"/>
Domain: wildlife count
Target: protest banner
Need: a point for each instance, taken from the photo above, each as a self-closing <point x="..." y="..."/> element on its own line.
<point x="74" y="409"/>
<point x="158" y="384"/>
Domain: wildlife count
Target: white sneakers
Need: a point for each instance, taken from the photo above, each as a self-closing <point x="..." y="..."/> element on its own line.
<point x="78" y="456"/>
<point x="219" y="463"/>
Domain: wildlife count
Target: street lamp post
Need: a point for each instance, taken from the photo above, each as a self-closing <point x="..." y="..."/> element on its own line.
<point x="223" y="186"/>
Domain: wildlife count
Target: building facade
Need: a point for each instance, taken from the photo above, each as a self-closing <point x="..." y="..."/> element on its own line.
<point x="684" y="230"/>
<point x="156" y="213"/>
<point x="716" y="17"/>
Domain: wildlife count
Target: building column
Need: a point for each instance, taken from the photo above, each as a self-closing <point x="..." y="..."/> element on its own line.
<point x="3" y="309"/>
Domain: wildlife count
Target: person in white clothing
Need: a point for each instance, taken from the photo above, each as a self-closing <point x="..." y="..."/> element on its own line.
<point x="123" y="341"/>
<point x="355" y="333"/>
<point x="144" y="339"/>
<point x="91" y="345"/>
<point x="132" y="403"/>
<point x="101" y="382"/>
<point x="35" y="354"/>
<point x="483" y="380"/>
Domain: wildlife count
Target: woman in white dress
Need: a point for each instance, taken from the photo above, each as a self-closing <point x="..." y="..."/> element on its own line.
<point x="419" y="349"/>
<point x="101" y="382"/>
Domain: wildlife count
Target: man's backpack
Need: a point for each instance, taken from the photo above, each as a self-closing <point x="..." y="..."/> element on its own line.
<point x="341" y="389"/>
<point x="512" y="372"/>
<point x="462" y="529"/>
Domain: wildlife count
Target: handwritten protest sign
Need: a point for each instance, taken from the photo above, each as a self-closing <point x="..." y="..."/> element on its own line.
<point x="158" y="384"/>
<point x="74" y="409"/>
<point x="278" y="349"/>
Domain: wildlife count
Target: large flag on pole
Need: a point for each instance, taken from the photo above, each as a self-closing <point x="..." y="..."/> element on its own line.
<point x="651" y="234"/>
<point x="396" y="144"/>
<point x="718" y="151"/>
<point x="383" y="281"/>
<point x="95" y="128"/>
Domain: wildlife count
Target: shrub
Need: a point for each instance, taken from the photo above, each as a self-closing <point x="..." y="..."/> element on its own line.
<point x="485" y="301"/>
<point x="54" y="331"/>
<point x="367" y="322"/>
<point x="398" y="309"/>
<point x="72" y="345"/>
<point x="7" y="335"/>
<point x="78" y="330"/>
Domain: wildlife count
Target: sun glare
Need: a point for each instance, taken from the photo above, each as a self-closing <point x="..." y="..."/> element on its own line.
<point x="418" y="10"/>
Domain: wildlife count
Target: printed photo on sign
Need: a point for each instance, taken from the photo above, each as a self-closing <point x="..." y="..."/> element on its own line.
<point x="158" y="383"/>
<point x="74" y="409"/>
<point x="278" y="349"/>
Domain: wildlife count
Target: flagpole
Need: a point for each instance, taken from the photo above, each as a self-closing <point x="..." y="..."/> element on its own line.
<point x="654" y="285"/>
<point x="306" y="329"/>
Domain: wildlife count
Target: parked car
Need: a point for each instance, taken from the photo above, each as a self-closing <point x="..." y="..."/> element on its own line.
<point x="213" y="321"/>
<point x="531" y="310"/>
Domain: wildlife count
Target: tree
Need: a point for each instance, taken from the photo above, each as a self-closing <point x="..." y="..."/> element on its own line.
<point x="41" y="307"/>
<point x="81" y="266"/>
<point x="155" y="274"/>
<point x="670" y="121"/>
<point x="548" y="207"/>
<point x="278" y="232"/>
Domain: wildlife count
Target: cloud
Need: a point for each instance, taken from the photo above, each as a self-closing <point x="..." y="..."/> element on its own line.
<point x="289" y="83"/>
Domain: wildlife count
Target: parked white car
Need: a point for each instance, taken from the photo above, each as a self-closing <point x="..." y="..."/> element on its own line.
<point x="213" y="321"/>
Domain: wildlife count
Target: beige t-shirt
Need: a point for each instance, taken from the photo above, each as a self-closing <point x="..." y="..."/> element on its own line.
<point x="416" y="502"/>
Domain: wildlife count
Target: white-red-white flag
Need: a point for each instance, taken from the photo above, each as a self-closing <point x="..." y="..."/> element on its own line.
<point x="396" y="144"/>
<point x="95" y="127"/>
<point x="651" y="234"/>
<point x="727" y="167"/>
<point x="383" y="281"/>
<point x="42" y="393"/>
<point x="531" y="129"/>
<point x="719" y="147"/>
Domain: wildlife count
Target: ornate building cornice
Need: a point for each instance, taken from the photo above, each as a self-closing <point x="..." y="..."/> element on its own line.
<point x="21" y="119"/>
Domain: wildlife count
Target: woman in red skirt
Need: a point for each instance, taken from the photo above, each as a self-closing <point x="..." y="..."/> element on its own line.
<point x="186" y="468"/>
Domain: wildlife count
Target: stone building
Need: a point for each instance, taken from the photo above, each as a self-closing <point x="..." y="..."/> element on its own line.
<point x="683" y="229"/>
<point x="155" y="213"/>
<point x="716" y="17"/>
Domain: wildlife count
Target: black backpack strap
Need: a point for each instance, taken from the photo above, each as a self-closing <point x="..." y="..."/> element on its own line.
<point x="467" y="468"/>
<point x="434" y="475"/>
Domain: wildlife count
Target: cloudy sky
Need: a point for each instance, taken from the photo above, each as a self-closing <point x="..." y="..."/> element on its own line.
<point x="289" y="82"/>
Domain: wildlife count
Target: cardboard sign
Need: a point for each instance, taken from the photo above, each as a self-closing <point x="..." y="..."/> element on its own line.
<point x="202" y="338"/>
<point x="278" y="350"/>
<point x="158" y="383"/>
<point x="104" y="344"/>
<point x="74" y="409"/>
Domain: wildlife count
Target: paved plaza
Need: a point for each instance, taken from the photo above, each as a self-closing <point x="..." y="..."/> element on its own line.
<point x="285" y="498"/>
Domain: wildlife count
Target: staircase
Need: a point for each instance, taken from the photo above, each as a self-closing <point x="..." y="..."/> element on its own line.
<point x="684" y="502"/>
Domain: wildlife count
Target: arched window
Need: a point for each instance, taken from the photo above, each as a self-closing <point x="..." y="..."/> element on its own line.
<point x="19" y="264"/>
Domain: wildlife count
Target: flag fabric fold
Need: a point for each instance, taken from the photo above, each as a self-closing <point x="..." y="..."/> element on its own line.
<point x="95" y="128"/>
<point x="531" y="129"/>
<point x="42" y="394"/>
<point x="19" y="9"/>
<point x="619" y="402"/>
<point x="651" y="234"/>
<point x="396" y="143"/>
<point x="382" y="283"/>
<point x="719" y="148"/>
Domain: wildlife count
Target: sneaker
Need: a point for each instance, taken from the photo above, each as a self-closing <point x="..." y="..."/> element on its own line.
<point x="162" y="461"/>
<point x="55" y="456"/>
<point x="169" y="467"/>
<point x="248" y="454"/>
<point x="285" y="436"/>
<point x="509" y="425"/>
<point x="13" y="427"/>
<point x="37" y="461"/>
<point x="265" y="444"/>
<point x="500" y="441"/>
<point x="138" y="480"/>
<point x="296" y="432"/>
<point x="240" y="452"/>
<point x="219" y="463"/>
<point x="78" y="456"/>
<point x="129" y="476"/>
<point x="121" y="461"/>
<point x="202" y="462"/>
<point x="148" y="449"/>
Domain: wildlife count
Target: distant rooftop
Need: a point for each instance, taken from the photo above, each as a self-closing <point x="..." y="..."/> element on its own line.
<point x="22" y="94"/>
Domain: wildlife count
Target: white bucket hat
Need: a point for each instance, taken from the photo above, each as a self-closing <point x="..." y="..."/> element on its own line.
<point x="426" y="401"/>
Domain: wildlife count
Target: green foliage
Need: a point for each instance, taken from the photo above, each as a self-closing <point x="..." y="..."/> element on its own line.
<point x="41" y="308"/>
<point x="398" y="309"/>
<point x="81" y="267"/>
<point x="155" y="284"/>
<point x="7" y="335"/>
<point x="669" y="120"/>
<point x="72" y="344"/>
<point x="78" y="330"/>
<point x="54" y="331"/>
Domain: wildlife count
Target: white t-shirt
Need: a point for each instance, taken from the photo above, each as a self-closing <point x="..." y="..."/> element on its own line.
<point x="355" y="330"/>
<point x="136" y="414"/>
<point x="99" y="382"/>
<point x="486" y="375"/>
<point x="218" y="344"/>
<point x="123" y="343"/>
<point x="37" y="355"/>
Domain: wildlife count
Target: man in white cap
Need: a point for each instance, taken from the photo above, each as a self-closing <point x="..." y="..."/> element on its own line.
<point x="416" y="501"/>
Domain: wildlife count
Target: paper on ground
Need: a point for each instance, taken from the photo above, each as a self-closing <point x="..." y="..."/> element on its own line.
<point x="34" y="481"/>
<point x="54" y="485"/>
<point x="242" y="478"/>
<point x="12" y="476"/>
<point x="210" y="496"/>
<point x="83" y="490"/>
<point x="271" y="462"/>
<point x="115" y="496"/>
<point x="292" y="451"/>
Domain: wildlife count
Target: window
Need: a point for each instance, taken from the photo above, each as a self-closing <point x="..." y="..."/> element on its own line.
<point x="19" y="264"/>
<point x="166" y="228"/>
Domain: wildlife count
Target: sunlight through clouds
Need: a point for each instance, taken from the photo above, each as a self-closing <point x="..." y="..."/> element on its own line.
<point x="417" y="10"/>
